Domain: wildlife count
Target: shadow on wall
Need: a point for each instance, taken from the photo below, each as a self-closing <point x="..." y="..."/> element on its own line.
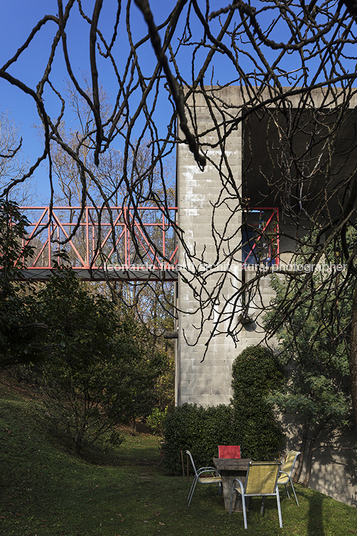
<point x="334" y="470"/>
<point x="334" y="464"/>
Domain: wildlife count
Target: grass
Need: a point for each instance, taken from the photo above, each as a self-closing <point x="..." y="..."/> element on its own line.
<point x="46" y="491"/>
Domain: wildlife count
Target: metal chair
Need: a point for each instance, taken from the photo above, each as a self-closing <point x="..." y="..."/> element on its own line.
<point x="203" y="476"/>
<point x="228" y="451"/>
<point x="286" y="473"/>
<point x="261" y="481"/>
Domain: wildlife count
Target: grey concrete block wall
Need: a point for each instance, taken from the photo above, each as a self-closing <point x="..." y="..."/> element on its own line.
<point x="207" y="382"/>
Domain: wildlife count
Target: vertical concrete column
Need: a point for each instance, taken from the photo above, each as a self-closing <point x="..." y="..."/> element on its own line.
<point x="202" y="215"/>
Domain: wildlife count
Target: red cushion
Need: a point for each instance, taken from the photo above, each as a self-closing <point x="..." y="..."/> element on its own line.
<point x="229" y="451"/>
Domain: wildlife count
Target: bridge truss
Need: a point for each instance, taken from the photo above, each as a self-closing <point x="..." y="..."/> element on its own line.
<point x="116" y="243"/>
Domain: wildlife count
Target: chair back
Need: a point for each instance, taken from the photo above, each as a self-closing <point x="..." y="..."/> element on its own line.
<point x="192" y="462"/>
<point x="228" y="451"/>
<point x="262" y="478"/>
<point x="290" y="461"/>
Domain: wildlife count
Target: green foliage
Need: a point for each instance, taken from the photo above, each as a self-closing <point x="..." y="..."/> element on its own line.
<point x="199" y="430"/>
<point x="311" y="316"/>
<point x="17" y="328"/>
<point x="12" y="230"/>
<point x="156" y="420"/>
<point x="249" y="422"/>
<point x="164" y="390"/>
<point x="141" y="367"/>
<point x="313" y="348"/>
<point x="100" y="369"/>
<point x="255" y="373"/>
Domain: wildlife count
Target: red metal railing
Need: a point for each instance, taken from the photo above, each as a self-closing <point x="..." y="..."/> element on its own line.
<point x="261" y="243"/>
<point x="119" y="238"/>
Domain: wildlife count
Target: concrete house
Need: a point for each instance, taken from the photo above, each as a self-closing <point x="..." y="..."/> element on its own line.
<point x="201" y="208"/>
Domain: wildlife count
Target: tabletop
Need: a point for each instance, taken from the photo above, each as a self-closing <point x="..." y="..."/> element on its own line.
<point x="231" y="464"/>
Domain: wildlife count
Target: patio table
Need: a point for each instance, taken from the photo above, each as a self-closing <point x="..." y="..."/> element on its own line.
<point x="231" y="468"/>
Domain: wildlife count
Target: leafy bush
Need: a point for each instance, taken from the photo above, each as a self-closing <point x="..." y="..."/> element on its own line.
<point x="255" y="374"/>
<point x="198" y="429"/>
<point x="17" y="327"/>
<point x="156" y="419"/>
<point x="248" y="422"/>
<point x="314" y="350"/>
<point x="100" y="369"/>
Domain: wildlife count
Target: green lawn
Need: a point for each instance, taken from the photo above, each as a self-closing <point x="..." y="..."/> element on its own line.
<point x="47" y="492"/>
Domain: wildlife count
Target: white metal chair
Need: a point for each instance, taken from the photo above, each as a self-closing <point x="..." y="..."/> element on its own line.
<point x="204" y="475"/>
<point x="261" y="481"/>
<point x="286" y="473"/>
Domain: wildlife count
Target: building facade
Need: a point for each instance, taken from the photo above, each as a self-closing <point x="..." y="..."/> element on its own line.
<point x="206" y="215"/>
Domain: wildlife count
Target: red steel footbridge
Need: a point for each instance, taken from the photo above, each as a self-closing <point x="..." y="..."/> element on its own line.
<point x="101" y="243"/>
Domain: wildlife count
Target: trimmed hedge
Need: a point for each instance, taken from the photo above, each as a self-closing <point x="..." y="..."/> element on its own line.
<point x="249" y="420"/>
<point x="199" y="430"/>
<point x="256" y="373"/>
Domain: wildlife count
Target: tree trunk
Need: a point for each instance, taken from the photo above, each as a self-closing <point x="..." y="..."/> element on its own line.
<point x="353" y="356"/>
<point x="300" y="460"/>
<point x="309" y="456"/>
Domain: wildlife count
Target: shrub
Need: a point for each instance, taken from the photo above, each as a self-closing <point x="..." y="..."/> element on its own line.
<point x="198" y="429"/>
<point x="156" y="420"/>
<point x="255" y="374"/>
<point x="248" y="422"/>
<point x="101" y="368"/>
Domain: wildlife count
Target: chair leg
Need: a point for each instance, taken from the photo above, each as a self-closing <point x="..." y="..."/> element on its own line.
<point x="287" y="491"/>
<point x="244" y="512"/>
<point x="262" y="506"/>
<point x="292" y="487"/>
<point x="190" y="495"/>
<point x="279" y="508"/>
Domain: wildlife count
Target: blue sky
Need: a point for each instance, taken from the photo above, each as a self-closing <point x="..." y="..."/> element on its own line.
<point x="18" y="17"/>
<point x="17" y="20"/>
